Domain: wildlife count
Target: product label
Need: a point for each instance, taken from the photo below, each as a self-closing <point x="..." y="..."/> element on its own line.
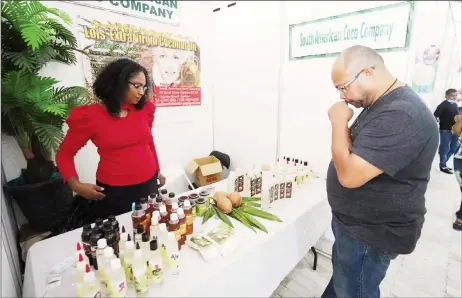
<point x="87" y="248"/>
<point x="141" y="282"/>
<point x="117" y="289"/>
<point x="289" y="190"/>
<point x="276" y="192"/>
<point x="240" y="183"/>
<point x="94" y="292"/>
<point x="189" y="219"/>
<point x="183" y="228"/>
<point x="282" y="190"/>
<point x="253" y="183"/>
<point x="236" y="185"/>
<point x="129" y="274"/>
<point x="271" y="194"/>
<point x="173" y="261"/>
<point x="155" y="272"/>
<point x="178" y="234"/>
<point x="258" y="186"/>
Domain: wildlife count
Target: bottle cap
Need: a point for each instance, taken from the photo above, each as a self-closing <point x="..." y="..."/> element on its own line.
<point x="162" y="209"/>
<point x="173" y="217"/>
<point x="98" y="222"/>
<point x="123" y="229"/>
<point x="180" y="212"/>
<point x="145" y="237"/>
<point x="156" y="214"/>
<point x="159" y="200"/>
<point x="107" y="226"/>
<point x="129" y="245"/>
<point x="138" y="246"/>
<point x="129" y="238"/>
<point x="78" y="246"/>
<point x="115" y="264"/>
<point x="143" y="200"/>
<point x="153" y="196"/>
<point x="187" y="204"/>
<point x="89" y="276"/>
<point x="102" y="243"/>
<point x="174" y="206"/>
<point x="305" y="163"/>
<point x="138" y="206"/>
<point x="171" y="195"/>
<point x="140" y="229"/>
<point x="111" y="217"/>
<point x="80" y="257"/>
<point x="163" y="227"/>
<point x="153" y="245"/>
<point x="163" y="191"/>
<point x="154" y="220"/>
<point x="87" y="227"/>
<point x="108" y="252"/>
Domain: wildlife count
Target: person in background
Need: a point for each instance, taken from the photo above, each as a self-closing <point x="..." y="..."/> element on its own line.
<point x="378" y="176"/>
<point x="445" y="113"/>
<point x="457" y="130"/>
<point x="120" y="126"/>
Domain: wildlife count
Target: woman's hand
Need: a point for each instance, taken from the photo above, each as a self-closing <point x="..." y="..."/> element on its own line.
<point x="87" y="190"/>
<point x="161" y="180"/>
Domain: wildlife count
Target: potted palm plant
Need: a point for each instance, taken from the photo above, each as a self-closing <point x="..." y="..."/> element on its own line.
<point x="34" y="108"/>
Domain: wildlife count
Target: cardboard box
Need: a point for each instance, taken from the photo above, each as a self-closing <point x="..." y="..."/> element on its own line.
<point x="206" y="170"/>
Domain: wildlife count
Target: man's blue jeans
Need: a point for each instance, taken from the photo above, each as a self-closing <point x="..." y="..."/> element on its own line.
<point x="448" y="146"/>
<point x="358" y="268"/>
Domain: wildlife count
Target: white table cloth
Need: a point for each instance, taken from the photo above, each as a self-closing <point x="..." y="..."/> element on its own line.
<point x="255" y="269"/>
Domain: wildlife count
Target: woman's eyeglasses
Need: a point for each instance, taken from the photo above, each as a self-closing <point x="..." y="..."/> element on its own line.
<point x="139" y="86"/>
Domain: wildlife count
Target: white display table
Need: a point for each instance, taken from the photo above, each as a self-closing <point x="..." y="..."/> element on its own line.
<point x="255" y="269"/>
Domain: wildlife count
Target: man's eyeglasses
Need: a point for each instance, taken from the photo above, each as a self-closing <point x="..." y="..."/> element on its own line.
<point x="139" y="86"/>
<point x="344" y="87"/>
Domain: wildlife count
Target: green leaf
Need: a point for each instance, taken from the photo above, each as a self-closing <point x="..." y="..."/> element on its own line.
<point x="224" y="218"/>
<point x="251" y="199"/>
<point x="34" y="35"/>
<point x="234" y="214"/>
<point x="209" y="213"/>
<point x="254" y="222"/>
<point x="260" y="213"/>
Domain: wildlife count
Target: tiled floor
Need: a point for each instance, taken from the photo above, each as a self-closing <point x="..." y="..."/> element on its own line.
<point x="434" y="269"/>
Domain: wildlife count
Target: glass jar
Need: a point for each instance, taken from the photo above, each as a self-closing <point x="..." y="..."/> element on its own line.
<point x="201" y="206"/>
<point x="205" y="194"/>
<point x="193" y="197"/>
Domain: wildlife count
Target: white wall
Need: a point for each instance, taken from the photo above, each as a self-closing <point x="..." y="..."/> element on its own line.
<point x="180" y="133"/>
<point x="8" y="286"/>
<point x="246" y="81"/>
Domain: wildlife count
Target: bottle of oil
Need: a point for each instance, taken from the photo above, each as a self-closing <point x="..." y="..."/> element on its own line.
<point x="117" y="282"/>
<point x="138" y="217"/>
<point x="139" y="273"/>
<point x="146" y="208"/>
<point x="182" y="220"/>
<point x="128" y="261"/>
<point x="90" y="286"/>
<point x="189" y="217"/>
<point x="155" y="269"/>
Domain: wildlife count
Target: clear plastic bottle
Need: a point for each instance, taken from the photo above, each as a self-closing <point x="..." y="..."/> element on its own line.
<point x="117" y="282"/>
<point x="90" y="286"/>
<point x="145" y="244"/>
<point x="162" y="240"/>
<point x="80" y="269"/>
<point x="163" y="214"/>
<point x="173" y="254"/>
<point x="108" y="257"/>
<point x="154" y="229"/>
<point x="102" y="244"/>
<point x="80" y="251"/>
<point x="182" y="220"/>
<point x="139" y="273"/>
<point x="123" y="239"/>
<point x="128" y="261"/>
<point x="155" y="270"/>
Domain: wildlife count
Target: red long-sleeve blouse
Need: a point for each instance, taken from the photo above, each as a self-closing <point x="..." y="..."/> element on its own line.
<point x="125" y="145"/>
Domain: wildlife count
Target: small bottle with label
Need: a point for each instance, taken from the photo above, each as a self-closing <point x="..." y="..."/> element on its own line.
<point x="139" y="234"/>
<point x="155" y="270"/>
<point x="86" y="235"/>
<point x="145" y="243"/>
<point x="117" y="281"/>
<point x="108" y="257"/>
<point x="90" y="286"/>
<point x="164" y="195"/>
<point x="173" y="254"/>
<point x="174" y="207"/>
<point x="139" y="273"/>
<point x="154" y="229"/>
<point x="189" y="217"/>
<point x="128" y="261"/>
<point x="170" y="201"/>
<point x="182" y="220"/>
<point x="240" y="180"/>
<point x="174" y="226"/>
<point x="163" y="214"/>
<point x="102" y="244"/>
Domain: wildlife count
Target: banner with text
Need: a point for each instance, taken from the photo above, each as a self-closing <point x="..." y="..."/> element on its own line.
<point x="381" y="28"/>
<point x="172" y="60"/>
<point x="161" y="11"/>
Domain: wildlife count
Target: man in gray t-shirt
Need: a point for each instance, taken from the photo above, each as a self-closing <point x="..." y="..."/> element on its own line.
<point x="378" y="176"/>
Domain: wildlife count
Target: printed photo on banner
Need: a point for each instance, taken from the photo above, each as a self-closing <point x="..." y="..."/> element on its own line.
<point x="172" y="60"/>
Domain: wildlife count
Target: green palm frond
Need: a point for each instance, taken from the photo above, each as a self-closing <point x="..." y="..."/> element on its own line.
<point x="49" y="135"/>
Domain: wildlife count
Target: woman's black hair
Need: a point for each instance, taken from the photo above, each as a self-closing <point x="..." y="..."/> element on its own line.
<point x="112" y="83"/>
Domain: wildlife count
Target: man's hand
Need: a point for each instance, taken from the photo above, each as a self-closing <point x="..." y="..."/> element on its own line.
<point x="340" y="111"/>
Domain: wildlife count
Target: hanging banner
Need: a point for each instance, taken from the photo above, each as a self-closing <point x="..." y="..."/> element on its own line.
<point x="382" y="28"/>
<point x="160" y="11"/>
<point x="172" y="60"/>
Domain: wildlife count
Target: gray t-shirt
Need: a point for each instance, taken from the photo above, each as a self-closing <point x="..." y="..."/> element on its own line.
<point x="398" y="135"/>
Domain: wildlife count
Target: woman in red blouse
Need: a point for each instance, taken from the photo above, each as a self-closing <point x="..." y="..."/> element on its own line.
<point x="121" y="128"/>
